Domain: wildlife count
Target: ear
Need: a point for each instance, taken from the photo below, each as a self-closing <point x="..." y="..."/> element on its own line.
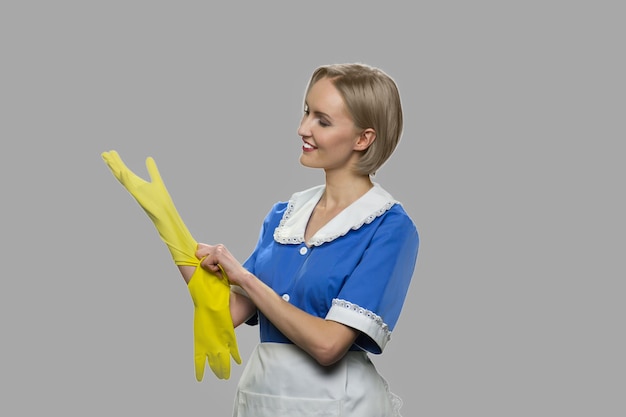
<point x="365" y="139"/>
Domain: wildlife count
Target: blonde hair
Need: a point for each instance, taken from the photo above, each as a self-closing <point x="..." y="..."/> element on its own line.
<point x="373" y="100"/>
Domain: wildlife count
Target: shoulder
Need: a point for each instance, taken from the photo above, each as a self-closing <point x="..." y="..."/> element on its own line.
<point x="396" y="212"/>
<point x="398" y="216"/>
<point x="388" y="211"/>
<point x="396" y="228"/>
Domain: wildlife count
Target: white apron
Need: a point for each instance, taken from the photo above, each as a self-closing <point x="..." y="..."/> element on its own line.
<point x="281" y="380"/>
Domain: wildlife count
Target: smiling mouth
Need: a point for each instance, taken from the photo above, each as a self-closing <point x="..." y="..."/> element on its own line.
<point x="308" y="147"/>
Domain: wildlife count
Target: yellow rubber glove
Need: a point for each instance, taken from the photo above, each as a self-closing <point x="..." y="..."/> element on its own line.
<point x="214" y="334"/>
<point x="213" y="342"/>
<point x="154" y="198"/>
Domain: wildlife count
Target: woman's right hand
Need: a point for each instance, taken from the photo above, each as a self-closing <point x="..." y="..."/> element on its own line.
<point x="217" y="258"/>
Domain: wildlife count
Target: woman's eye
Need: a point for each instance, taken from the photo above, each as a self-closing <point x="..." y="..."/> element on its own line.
<point x="322" y="122"/>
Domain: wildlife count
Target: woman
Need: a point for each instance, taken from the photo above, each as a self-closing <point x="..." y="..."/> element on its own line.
<point x="332" y="266"/>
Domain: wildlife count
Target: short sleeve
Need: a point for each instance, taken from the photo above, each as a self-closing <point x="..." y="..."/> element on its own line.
<point x="372" y="297"/>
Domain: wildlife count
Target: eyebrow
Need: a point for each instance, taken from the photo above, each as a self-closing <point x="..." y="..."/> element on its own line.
<point x="317" y="113"/>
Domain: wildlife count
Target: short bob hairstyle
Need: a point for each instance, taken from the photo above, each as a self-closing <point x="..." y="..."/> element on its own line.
<point x="373" y="100"/>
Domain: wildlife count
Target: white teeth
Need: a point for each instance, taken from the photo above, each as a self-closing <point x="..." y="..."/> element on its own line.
<point x="308" y="146"/>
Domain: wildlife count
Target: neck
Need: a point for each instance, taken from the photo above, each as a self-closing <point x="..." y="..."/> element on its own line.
<point x="342" y="189"/>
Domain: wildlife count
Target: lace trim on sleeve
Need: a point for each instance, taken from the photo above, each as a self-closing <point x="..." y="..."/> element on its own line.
<point x="361" y="319"/>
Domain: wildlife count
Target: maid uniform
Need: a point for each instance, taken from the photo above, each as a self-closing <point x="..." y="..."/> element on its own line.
<point x="356" y="271"/>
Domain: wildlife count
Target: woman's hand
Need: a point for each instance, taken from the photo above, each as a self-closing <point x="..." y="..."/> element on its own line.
<point x="216" y="258"/>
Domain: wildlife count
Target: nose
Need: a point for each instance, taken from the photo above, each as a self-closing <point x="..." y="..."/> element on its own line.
<point x="304" y="129"/>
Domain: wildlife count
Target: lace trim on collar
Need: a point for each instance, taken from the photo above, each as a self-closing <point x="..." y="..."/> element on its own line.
<point x="365" y="210"/>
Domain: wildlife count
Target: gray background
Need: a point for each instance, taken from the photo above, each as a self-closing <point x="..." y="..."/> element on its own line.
<point x="510" y="165"/>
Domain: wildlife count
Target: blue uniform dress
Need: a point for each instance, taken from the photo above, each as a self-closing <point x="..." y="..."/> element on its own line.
<point x="355" y="270"/>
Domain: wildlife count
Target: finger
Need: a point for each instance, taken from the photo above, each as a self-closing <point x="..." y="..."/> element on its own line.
<point x="234" y="351"/>
<point x="200" y="364"/>
<point x="112" y="160"/>
<point x="155" y="176"/>
<point x="220" y="365"/>
<point x="204" y="262"/>
<point x="119" y="168"/>
<point x="201" y="251"/>
<point x="116" y="165"/>
<point x="208" y="264"/>
<point x="108" y="155"/>
<point x="224" y="360"/>
<point x="222" y="275"/>
<point x="202" y="247"/>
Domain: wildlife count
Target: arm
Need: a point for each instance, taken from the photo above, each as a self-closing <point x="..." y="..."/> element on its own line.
<point x="326" y="341"/>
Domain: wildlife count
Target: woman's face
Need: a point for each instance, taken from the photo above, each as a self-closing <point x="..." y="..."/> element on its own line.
<point x="327" y="129"/>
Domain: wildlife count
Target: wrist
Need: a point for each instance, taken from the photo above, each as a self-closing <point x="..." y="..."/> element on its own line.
<point x="246" y="280"/>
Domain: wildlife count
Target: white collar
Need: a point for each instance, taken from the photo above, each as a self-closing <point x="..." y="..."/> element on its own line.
<point x="291" y="229"/>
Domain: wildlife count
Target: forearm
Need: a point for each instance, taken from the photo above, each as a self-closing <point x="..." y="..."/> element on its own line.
<point x="241" y="308"/>
<point x="326" y="341"/>
<point x="186" y="271"/>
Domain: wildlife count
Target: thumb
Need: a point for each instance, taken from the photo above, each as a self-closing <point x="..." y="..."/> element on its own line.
<point x="155" y="176"/>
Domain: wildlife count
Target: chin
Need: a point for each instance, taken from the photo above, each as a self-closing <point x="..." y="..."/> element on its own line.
<point x="306" y="163"/>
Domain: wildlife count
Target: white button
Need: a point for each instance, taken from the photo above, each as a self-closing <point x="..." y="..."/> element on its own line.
<point x="303" y="250"/>
<point x="286" y="297"/>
